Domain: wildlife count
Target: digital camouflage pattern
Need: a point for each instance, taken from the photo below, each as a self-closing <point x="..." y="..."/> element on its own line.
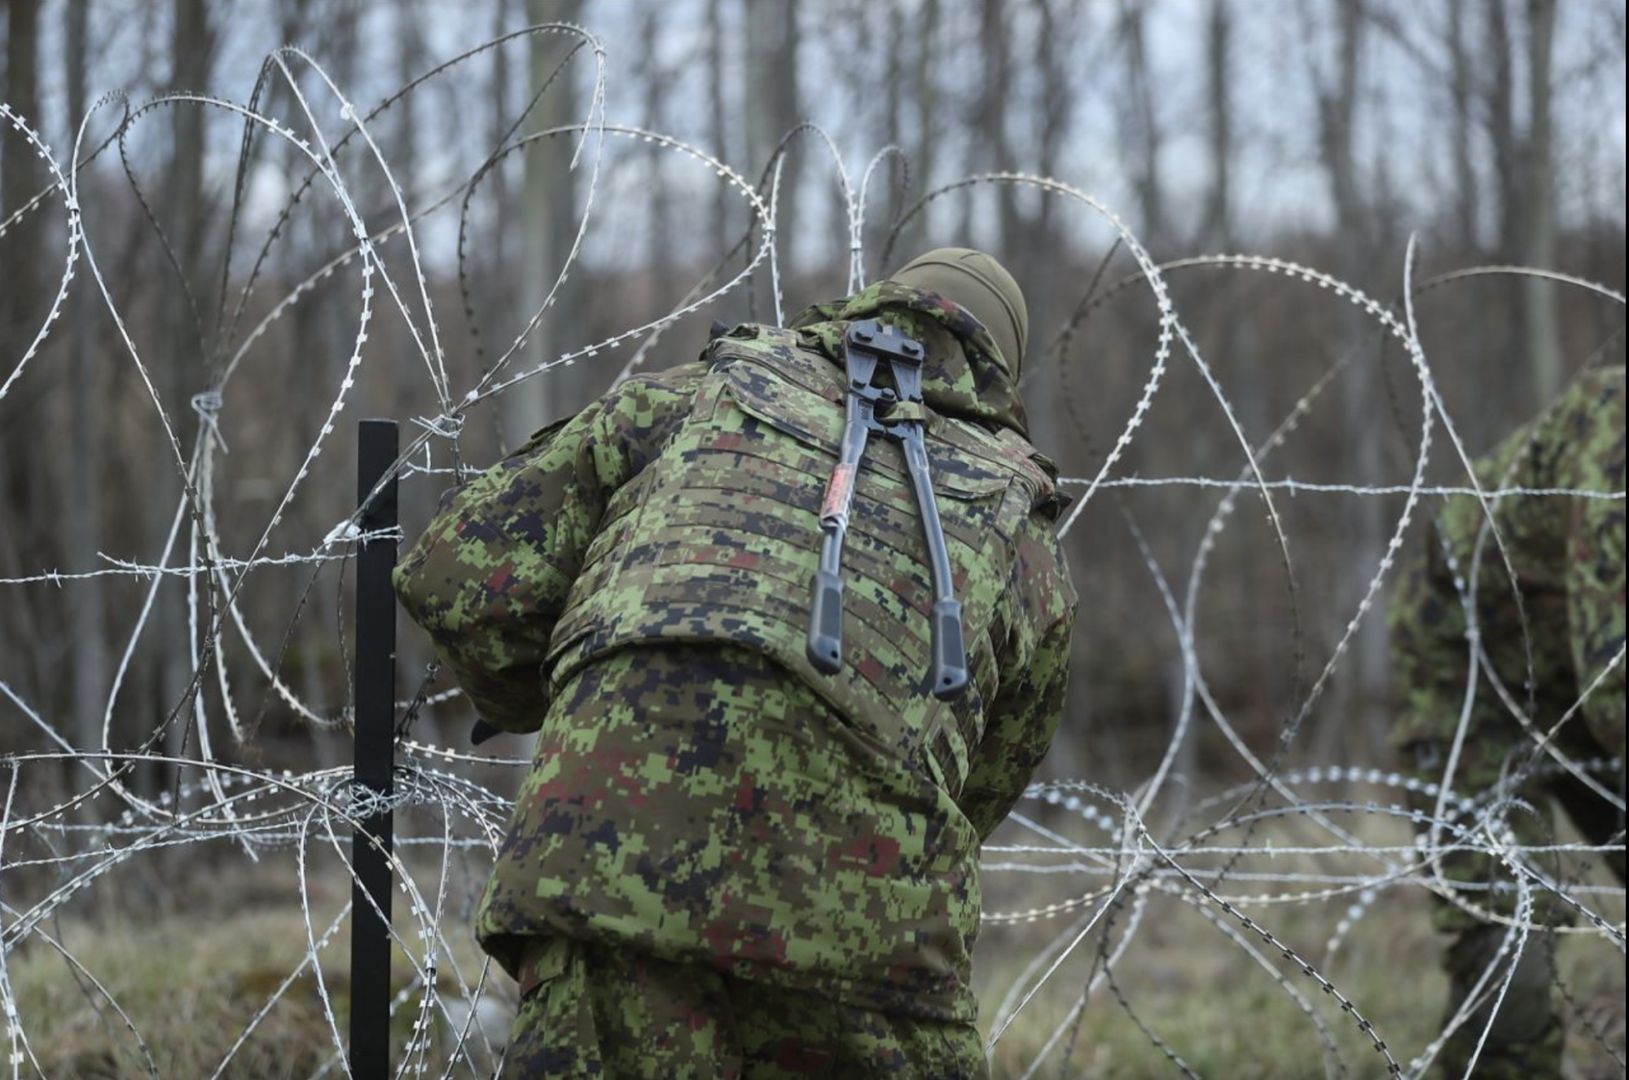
<point x="634" y="583"/>
<point x="1568" y="557"/>
<point x="590" y="1011"/>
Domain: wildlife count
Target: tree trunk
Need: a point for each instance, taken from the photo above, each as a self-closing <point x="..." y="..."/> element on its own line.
<point x="1462" y="66"/>
<point x="1218" y="227"/>
<point x="928" y="128"/>
<point x="772" y="96"/>
<point x="1461" y="71"/>
<point x="1498" y="57"/>
<point x="718" y="122"/>
<point x="1543" y="339"/>
<point x="550" y="224"/>
<point x="659" y="269"/>
<point x="995" y="41"/>
<point x="23" y="304"/>
<point x="410" y="63"/>
<point x="1140" y="126"/>
<point x="84" y="510"/>
<point x="1057" y="99"/>
<point x="1361" y="695"/>
<point x="1501" y="106"/>
<point x="180" y="370"/>
<point x="496" y="183"/>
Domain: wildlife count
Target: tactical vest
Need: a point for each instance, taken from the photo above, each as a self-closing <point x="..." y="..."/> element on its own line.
<point x="716" y="540"/>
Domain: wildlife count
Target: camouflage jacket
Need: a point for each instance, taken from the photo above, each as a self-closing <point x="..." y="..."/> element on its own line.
<point x="1563" y="620"/>
<point x="681" y="511"/>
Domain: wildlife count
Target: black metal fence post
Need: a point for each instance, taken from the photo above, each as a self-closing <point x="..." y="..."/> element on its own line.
<point x="375" y="753"/>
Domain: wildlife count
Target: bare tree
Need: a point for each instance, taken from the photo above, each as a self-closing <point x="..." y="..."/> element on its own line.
<point x="1139" y="124"/>
<point x="925" y="89"/>
<point x="718" y="123"/>
<point x="771" y="94"/>
<point x="22" y="308"/>
<point x="84" y="509"/>
<point x="497" y="183"/>
<point x="1543" y="338"/>
<point x="1500" y="93"/>
<point x="993" y="148"/>
<point x="660" y="267"/>
<point x="893" y="44"/>
<point x="1054" y="57"/>
<point x="1338" y="99"/>
<point x="1218" y="226"/>
<point x="1461" y="73"/>
<point x="550" y="209"/>
<point x="181" y="370"/>
<point x="410" y="63"/>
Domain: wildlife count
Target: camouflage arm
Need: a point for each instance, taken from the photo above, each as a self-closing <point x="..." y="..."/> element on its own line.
<point x="490" y="574"/>
<point x="1587" y="430"/>
<point x="1595" y="617"/>
<point x="1429" y="651"/>
<point x="1024" y="715"/>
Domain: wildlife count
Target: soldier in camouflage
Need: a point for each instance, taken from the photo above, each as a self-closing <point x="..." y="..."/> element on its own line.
<point x="723" y="861"/>
<point x="1555" y="637"/>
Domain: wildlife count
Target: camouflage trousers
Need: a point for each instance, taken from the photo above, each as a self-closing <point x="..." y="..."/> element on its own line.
<point x="1526" y="1040"/>
<point x="594" y="1011"/>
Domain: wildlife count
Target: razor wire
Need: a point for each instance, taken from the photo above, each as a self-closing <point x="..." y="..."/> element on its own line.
<point x="1096" y="868"/>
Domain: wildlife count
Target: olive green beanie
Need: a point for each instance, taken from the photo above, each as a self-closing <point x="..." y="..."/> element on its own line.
<point x="976" y="282"/>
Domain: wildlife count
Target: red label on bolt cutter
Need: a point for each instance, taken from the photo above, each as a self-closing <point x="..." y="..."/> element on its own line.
<point x="838" y="489"/>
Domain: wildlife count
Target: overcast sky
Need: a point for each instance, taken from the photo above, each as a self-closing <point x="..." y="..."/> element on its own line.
<point x="1278" y="182"/>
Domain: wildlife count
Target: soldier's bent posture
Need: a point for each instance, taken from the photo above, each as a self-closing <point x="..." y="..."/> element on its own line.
<point x="1568" y="557"/>
<point x="748" y="847"/>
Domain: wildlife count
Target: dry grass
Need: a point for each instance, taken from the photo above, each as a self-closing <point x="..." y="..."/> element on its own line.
<point x="188" y="990"/>
<point x="1226" y="1017"/>
<point x="190" y="982"/>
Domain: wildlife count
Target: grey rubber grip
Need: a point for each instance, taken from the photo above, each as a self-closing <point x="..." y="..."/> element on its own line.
<point x="825" y="646"/>
<point x="949" y="651"/>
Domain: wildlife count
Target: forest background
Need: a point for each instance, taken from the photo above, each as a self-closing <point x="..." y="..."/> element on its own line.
<point x="1328" y="133"/>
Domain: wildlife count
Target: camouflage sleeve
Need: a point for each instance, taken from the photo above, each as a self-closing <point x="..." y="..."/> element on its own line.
<point x="1024" y="715"/>
<point x="490" y="574"/>
<point x="1429" y="651"/>
<point x="1595" y="571"/>
<point x="1595" y="599"/>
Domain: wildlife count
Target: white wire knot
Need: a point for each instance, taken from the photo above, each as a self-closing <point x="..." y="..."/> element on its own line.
<point x="364" y="802"/>
<point x="345" y="532"/>
<point x="350" y="532"/>
<point x="448" y="427"/>
<point x="208" y="407"/>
